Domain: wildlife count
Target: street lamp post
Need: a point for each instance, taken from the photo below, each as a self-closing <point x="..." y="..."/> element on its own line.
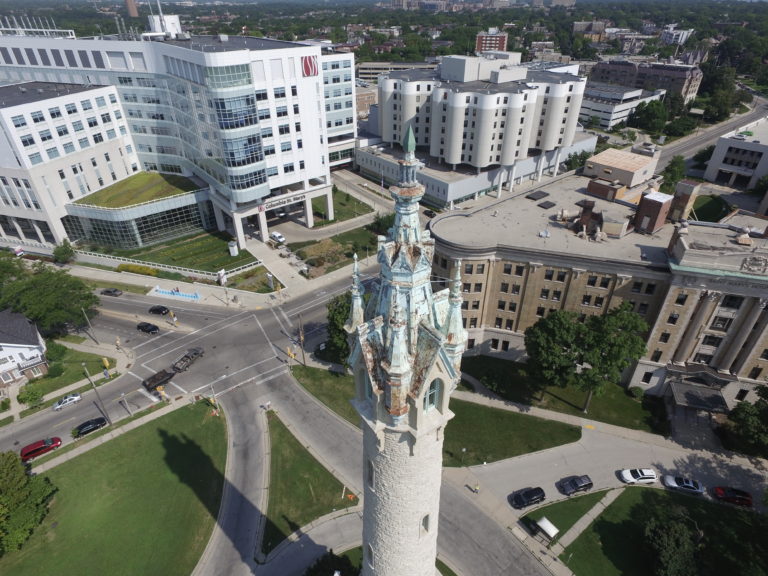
<point x="98" y="396"/>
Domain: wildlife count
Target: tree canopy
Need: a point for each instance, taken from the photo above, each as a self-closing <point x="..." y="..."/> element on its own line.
<point x="336" y="347"/>
<point x="563" y="351"/>
<point x="51" y="298"/>
<point x="23" y="502"/>
<point x="749" y="421"/>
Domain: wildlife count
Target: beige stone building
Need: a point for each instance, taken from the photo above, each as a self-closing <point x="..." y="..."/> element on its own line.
<point x="702" y="289"/>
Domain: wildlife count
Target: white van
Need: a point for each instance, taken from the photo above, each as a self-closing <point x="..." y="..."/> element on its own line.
<point x="545" y="528"/>
<point x="277" y="237"/>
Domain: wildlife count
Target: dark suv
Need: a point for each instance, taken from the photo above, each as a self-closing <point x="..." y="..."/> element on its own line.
<point x="527" y="497"/>
<point x="574" y="484"/>
<point x="89" y="426"/>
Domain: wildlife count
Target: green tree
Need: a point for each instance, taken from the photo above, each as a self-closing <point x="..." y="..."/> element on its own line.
<point x="761" y="186"/>
<point x="50" y="298"/>
<point x="64" y="253"/>
<point x="329" y="563"/>
<point x="336" y="347"/>
<point x="671" y="545"/>
<point x="749" y="421"/>
<point x="651" y="116"/>
<point x="23" y="502"/>
<point x="563" y="351"/>
<point x="673" y="173"/>
<point x="702" y="156"/>
<point x="30" y="395"/>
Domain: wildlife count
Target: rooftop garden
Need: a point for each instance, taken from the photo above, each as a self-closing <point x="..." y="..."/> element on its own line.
<point x="139" y="188"/>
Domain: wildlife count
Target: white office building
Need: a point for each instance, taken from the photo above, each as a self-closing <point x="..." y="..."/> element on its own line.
<point x="59" y="142"/>
<point x="612" y="104"/>
<point x="245" y="115"/>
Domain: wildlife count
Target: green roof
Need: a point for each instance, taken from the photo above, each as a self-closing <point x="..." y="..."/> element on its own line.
<point x="139" y="188"/>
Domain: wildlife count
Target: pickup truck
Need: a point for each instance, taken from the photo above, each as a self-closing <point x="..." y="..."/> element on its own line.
<point x="187" y="360"/>
<point x="159" y="379"/>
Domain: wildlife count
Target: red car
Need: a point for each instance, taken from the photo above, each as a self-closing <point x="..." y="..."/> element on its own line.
<point x="732" y="496"/>
<point x="39" y="448"/>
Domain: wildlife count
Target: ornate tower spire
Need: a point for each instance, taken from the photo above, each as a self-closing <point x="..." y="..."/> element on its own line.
<point x="356" y="307"/>
<point x="405" y="356"/>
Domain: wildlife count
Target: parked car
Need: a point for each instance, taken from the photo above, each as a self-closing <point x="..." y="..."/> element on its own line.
<point x="638" y="476"/>
<point x="683" y="484"/>
<point x="72" y="398"/>
<point x="162" y="310"/>
<point x="527" y="497"/>
<point x="147" y="327"/>
<point x="277" y="237"/>
<point x="90" y="426"/>
<point x="732" y="496"/>
<point x="112" y="292"/>
<point x="39" y="448"/>
<point x="430" y="213"/>
<point x="573" y="484"/>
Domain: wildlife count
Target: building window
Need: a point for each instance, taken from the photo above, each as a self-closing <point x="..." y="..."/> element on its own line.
<point x="504" y="287"/>
<point x="508" y="324"/>
<point x="467" y="268"/>
<point x="432" y="396"/>
<point x="741" y="394"/>
<point x="35" y="158"/>
<point x="702" y="358"/>
<point x="642" y="308"/>
<point x="656" y="356"/>
<point x="556" y="295"/>
<point x="45" y="135"/>
<point x="475" y="304"/>
<point x="637" y="287"/>
<point x="764" y="355"/>
<point x="710" y="340"/>
<point x="540" y="312"/>
<point x="605" y="282"/>
<point x="480" y="269"/>
<point x="561" y="276"/>
<point x="650" y="288"/>
<point x="647" y="377"/>
<point x="681" y="299"/>
<point x="507" y="268"/>
<point x="586" y="300"/>
<point x="599" y="301"/>
<point x="544" y="294"/>
<point x="664" y="337"/>
<point x="18" y="121"/>
<point x="519" y="270"/>
<point x="494" y="343"/>
<point x="478" y="288"/>
<point x="513" y="307"/>
<point x="37" y="117"/>
<point x="673" y="318"/>
<point x="371" y="475"/>
<point x="515" y="289"/>
<point x="473" y="322"/>
<point x="721" y="323"/>
<point x="549" y="274"/>
<point x="470" y="343"/>
<point x="733" y="302"/>
<point x="28" y="140"/>
<point x="754" y="374"/>
<point x="592" y="281"/>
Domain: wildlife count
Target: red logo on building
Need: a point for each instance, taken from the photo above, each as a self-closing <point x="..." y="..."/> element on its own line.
<point x="309" y="66"/>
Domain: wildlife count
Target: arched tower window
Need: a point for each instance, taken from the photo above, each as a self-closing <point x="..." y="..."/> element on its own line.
<point x="432" y="396"/>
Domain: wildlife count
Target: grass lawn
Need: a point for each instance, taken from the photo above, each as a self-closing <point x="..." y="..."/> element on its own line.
<point x="5" y="421"/>
<point x="566" y="513"/>
<point x="81" y="390"/>
<point x="511" y="381"/>
<point x="332" y="389"/>
<point x="141" y="187"/>
<point x="73" y="370"/>
<point x="144" y="503"/>
<point x="202" y="251"/>
<point x="73" y="338"/>
<point x="134" y="288"/>
<point x="300" y="489"/>
<point x="254" y="280"/>
<point x="488" y="434"/>
<point x="734" y="540"/>
<point x="710" y="208"/>
<point x="345" y="207"/>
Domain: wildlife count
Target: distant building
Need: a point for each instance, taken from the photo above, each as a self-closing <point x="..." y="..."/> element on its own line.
<point x="671" y="35"/>
<point x="130" y="6"/>
<point x="494" y="39"/>
<point x="594" y="31"/>
<point x="675" y="78"/>
<point x="22" y="349"/>
<point x="613" y="104"/>
<point x="369" y="72"/>
<point x="740" y="158"/>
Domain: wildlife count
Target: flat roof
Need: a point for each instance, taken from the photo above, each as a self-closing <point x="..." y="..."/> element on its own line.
<point x="520" y="222"/>
<point x="232" y="43"/>
<point x="27" y="92"/>
<point x="755" y="132"/>
<point x="531" y="77"/>
<point x="622" y="160"/>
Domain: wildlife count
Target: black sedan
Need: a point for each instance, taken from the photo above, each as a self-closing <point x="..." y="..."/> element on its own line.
<point x="147" y="327"/>
<point x="111" y="292"/>
<point x="162" y="310"/>
<point x="527" y="497"/>
<point x="89" y="426"/>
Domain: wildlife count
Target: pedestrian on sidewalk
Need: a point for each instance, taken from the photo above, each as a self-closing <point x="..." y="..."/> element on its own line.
<point x="477" y="488"/>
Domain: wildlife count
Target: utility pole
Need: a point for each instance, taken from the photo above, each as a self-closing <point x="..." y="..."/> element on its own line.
<point x="88" y="320"/>
<point x="98" y="397"/>
<point x="301" y="341"/>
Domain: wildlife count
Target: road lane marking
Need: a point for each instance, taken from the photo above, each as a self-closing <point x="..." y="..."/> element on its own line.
<point x="148" y="395"/>
<point x="179" y="387"/>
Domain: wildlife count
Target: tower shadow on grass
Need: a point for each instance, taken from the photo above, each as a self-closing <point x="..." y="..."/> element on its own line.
<point x="241" y="519"/>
